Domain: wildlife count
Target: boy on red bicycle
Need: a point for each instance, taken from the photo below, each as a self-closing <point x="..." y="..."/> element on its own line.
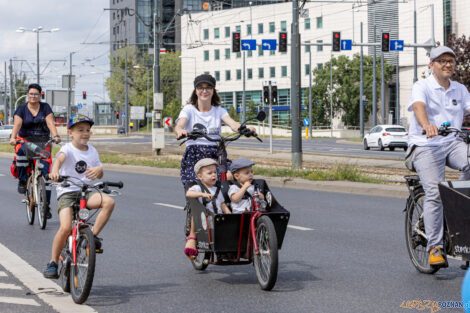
<point x="80" y="162"/>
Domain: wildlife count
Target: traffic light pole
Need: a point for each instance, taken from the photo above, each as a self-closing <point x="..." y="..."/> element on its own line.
<point x="361" y="91"/>
<point x="270" y="118"/>
<point x="243" y="93"/>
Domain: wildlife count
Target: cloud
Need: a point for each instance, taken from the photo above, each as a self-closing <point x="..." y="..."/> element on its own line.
<point x="77" y="21"/>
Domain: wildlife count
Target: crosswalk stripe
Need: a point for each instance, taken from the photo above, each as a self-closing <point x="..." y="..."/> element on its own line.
<point x="35" y="281"/>
<point x="16" y="300"/>
<point x="9" y="286"/>
<point x="3" y="274"/>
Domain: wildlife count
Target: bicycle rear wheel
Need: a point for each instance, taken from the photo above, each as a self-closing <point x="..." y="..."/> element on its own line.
<point x="41" y="202"/>
<point x="64" y="267"/>
<point x="201" y="261"/>
<point x="266" y="263"/>
<point x="29" y="201"/>
<point x="415" y="235"/>
<point x="82" y="273"/>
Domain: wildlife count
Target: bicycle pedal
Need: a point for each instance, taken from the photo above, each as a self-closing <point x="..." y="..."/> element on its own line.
<point x="99" y="251"/>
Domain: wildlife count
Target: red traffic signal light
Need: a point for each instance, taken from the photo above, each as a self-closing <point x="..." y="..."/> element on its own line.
<point x="84" y="95"/>
<point x="42" y="94"/>
<point x="236" y="42"/>
<point x="117" y="115"/>
<point x="385" y="42"/>
<point x="283" y="42"/>
<point x="336" y="41"/>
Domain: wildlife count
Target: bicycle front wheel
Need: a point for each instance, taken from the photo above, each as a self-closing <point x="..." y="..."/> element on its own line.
<point x="82" y="273"/>
<point x="201" y="262"/>
<point x="41" y="201"/>
<point x="266" y="262"/>
<point x="29" y="201"/>
<point x="415" y="235"/>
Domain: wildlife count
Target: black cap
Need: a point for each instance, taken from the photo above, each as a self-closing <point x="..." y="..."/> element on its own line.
<point x="204" y="78"/>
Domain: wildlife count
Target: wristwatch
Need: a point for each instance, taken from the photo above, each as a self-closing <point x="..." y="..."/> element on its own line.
<point x="56" y="136"/>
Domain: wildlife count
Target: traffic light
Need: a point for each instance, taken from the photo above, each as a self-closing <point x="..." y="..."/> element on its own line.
<point x="336" y="41"/>
<point x="266" y="94"/>
<point x="84" y="95"/>
<point x="274" y="94"/>
<point x="43" y="95"/>
<point x="385" y="42"/>
<point x="283" y="42"/>
<point x="117" y="115"/>
<point x="236" y="42"/>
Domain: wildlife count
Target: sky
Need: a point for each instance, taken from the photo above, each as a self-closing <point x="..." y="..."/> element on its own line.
<point x="82" y="24"/>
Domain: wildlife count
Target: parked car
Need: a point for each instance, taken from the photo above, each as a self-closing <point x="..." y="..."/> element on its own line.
<point x="386" y="136"/>
<point x="5" y="131"/>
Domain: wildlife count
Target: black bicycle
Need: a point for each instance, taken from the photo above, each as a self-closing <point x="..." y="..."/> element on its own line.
<point x="455" y="196"/>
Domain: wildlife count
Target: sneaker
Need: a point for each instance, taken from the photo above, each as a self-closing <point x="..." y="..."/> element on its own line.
<point x="51" y="270"/>
<point x="21" y="187"/>
<point x="97" y="242"/>
<point x="48" y="213"/>
<point x="436" y="257"/>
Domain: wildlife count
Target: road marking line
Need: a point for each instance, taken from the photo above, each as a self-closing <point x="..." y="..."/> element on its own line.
<point x="3" y="274"/>
<point x="2" y="174"/>
<point x="181" y="208"/>
<point x="33" y="280"/>
<point x="299" y="227"/>
<point x="15" y="300"/>
<point x="10" y="286"/>
<point x="170" y="205"/>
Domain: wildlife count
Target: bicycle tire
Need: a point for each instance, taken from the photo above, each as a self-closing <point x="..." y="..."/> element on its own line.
<point x="29" y="201"/>
<point x="41" y="202"/>
<point x="416" y="243"/>
<point x="82" y="273"/>
<point x="201" y="261"/>
<point x="266" y="263"/>
<point x="65" y="260"/>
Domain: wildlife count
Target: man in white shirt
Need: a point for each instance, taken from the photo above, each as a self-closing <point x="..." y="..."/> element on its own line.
<point x="436" y="100"/>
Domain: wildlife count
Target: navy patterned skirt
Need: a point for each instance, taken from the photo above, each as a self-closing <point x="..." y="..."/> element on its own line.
<point x="191" y="156"/>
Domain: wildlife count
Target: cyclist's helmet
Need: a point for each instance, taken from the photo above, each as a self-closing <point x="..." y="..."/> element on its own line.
<point x="79" y="118"/>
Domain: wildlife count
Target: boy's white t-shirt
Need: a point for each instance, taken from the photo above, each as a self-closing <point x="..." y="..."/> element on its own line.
<point x="218" y="201"/>
<point x="242" y="205"/>
<point x="75" y="165"/>
<point x="212" y="120"/>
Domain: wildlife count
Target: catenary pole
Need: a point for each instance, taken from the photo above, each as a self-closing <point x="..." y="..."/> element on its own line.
<point x="374" y="80"/>
<point x="310" y="91"/>
<point x="295" y="88"/>
<point x="361" y="96"/>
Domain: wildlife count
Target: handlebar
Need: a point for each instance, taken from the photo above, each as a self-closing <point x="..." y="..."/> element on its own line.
<point x="242" y="131"/>
<point x="103" y="185"/>
<point x="446" y="129"/>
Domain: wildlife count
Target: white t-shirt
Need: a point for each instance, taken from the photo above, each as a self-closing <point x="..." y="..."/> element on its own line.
<point x="218" y="201"/>
<point x="441" y="106"/>
<point x="242" y="205"/>
<point x="75" y="164"/>
<point x="212" y="120"/>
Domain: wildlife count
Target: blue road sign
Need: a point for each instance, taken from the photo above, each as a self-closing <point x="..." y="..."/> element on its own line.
<point x="248" y="44"/>
<point x="346" y="44"/>
<point x="80" y="106"/>
<point x="396" y="45"/>
<point x="306" y="122"/>
<point x="269" y="44"/>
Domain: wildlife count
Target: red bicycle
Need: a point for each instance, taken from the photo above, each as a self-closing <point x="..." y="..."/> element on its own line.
<point x="254" y="236"/>
<point x="77" y="258"/>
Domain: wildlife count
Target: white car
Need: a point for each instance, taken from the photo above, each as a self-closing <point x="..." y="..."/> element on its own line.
<point x="386" y="136"/>
<point x="5" y="131"/>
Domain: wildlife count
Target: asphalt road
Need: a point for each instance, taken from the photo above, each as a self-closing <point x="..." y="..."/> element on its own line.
<point x="318" y="146"/>
<point x="348" y="255"/>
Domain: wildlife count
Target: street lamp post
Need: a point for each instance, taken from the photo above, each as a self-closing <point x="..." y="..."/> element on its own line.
<point x="37" y="31"/>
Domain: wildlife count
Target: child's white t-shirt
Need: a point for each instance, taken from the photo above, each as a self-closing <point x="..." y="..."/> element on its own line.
<point x="242" y="205"/>
<point x="75" y="165"/>
<point x="212" y="120"/>
<point x="218" y="201"/>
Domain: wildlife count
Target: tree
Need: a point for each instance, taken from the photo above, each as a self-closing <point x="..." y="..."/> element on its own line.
<point x="140" y="80"/>
<point x="346" y="89"/>
<point x="461" y="47"/>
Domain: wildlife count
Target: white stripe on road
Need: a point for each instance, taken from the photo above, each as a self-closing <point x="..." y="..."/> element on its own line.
<point x="2" y="174"/>
<point x="33" y="280"/>
<point x="15" y="300"/>
<point x="3" y="274"/>
<point x="170" y="205"/>
<point x="299" y="227"/>
<point x="181" y="208"/>
<point x="10" y="286"/>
